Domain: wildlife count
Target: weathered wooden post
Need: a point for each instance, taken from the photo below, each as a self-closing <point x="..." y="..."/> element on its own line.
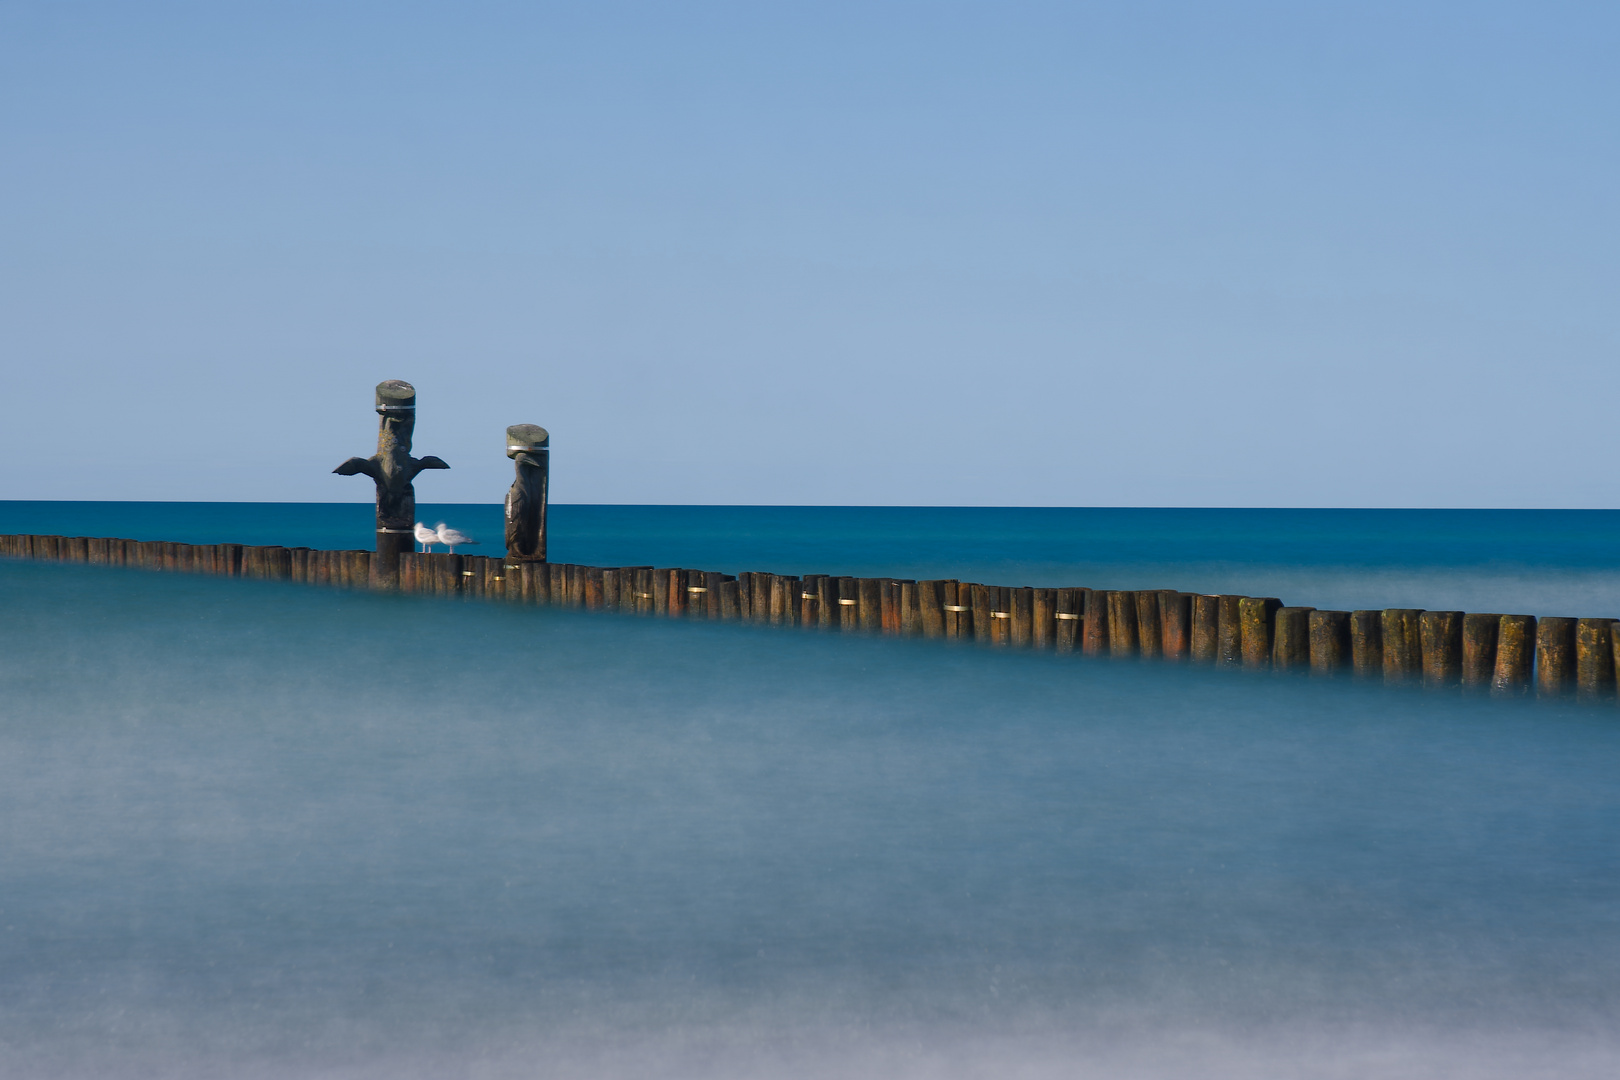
<point x="529" y="447"/>
<point x="1291" y="639"/>
<point x="1594" y="659"/>
<point x="1367" y="644"/>
<point x="1515" y="654"/>
<point x="1440" y="634"/>
<point x="1479" y="631"/>
<point x="393" y="469"/>
<point x="1403" y="644"/>
<point x="1257" y="616"/>
<point x="1555" y="656"/>
<point x="1330" y="641"/>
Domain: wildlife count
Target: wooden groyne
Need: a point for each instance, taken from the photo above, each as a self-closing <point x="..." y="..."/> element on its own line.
<point x="1503" y="654"/>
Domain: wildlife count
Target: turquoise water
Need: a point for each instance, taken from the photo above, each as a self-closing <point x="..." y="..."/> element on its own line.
<point x="262" y="830"/>
<point x="1542" y="562"/>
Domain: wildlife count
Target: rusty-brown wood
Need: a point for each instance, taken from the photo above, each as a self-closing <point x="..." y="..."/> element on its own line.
<point x="1291" y="639"/>
<point x="1094" y="631"/>
<point x="1403" y="644"/>
<point x="1515" y="655"/>
<point x="1330" y="641"/>
<point x="1175" y="624"/>
<point x="1229" y="631"/>
<point x="1367" y="644"/>
<point x="1121" y="623"/>
<point x="1555" y="656"/>
<point x="1256" y="625"/>
<point x="1021" y="627"/>
<point x="1594" y="659"/>
<point x="869" y="605"/>
<point x="1206" y="622"/>
<point x="1442" y="642"/>
<point x="1069" y="616"/>
<point x="1479" y="632"/>
<point x="1044" y="621"/>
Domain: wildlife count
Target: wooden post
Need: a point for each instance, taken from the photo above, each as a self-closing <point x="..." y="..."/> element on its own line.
<point x="697" y="594"/>
<point x="1256" y="616"/>
<point x="821" y="613"/>
<point x="983" y="631"/>
<point x="812" y="597"/>
<point x="1367" y="644"/>
<point x="869" y="605"/>
<point x="1555" y="657"/>
<point x="410" y="571"/>
<point x="1094" y="634"/>
<point x="1175" y="623"/>
<point x="956" y="609"/>
<point x="1479" y="648"/>
<point x="849" y="603"/>
<point x="1044" y="621"/>
<point x="730" y="597"/>
<point x="1229" y="630"/>
<point x="1594" y="659"/>
<point x="1069" y="615"/>
<point x="792" y="589"/>
<point x="908" y="596"/>
<point x="1291" y="639"/>
<point x="472" y="575"/>
<point x="393" y="469"/>
<point x="1000" y="600"/>
<point x="711" y="599"/>
<point x="930" y="609"/>
<point x="1021" y="627"/>
<point x="890" y="605"/>
<point x="529" y="447"/>
<point x="784" y="599"/>
<point x="1515" y="655"/>
<point x="1440" y="634"/>
<point x="1121" y="623"/>
<point x="1149" y="635"/>
<point x="1403" y="644"/>
<point x="641" y="595"/>
<point x="1330" y="641"/>
<point x="1206" y="621"/>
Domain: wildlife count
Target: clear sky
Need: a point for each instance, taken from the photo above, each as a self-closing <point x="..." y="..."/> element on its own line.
<point x="1274" y="254"/>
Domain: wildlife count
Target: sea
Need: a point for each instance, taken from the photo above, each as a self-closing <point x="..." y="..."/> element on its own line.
<point x="255" y="829"/>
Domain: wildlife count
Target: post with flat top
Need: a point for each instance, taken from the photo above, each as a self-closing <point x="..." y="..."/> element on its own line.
<point x="529" y="447"/>
<point x="393" y="469"/>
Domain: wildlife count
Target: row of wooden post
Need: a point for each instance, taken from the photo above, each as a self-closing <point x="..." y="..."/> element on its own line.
<point x="1506" y="654"/>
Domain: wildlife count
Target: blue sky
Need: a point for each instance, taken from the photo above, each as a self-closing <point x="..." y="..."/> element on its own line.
<point x="1013" y="253"/>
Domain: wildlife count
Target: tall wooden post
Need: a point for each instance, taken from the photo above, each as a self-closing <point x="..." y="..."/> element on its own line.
<point x="529" y="447"/>
<point x="393" y="469"/>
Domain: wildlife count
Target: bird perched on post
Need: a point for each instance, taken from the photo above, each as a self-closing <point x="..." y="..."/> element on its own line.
<point x="450" y="538"/>
<point x="426" y="537"/>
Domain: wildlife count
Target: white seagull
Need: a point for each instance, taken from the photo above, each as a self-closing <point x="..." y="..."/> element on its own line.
<point x="451" y="537"/>
<point x="427" y="537"/>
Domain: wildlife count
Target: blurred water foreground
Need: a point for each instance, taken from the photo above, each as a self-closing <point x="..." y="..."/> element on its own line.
<point x="252" y="829"/>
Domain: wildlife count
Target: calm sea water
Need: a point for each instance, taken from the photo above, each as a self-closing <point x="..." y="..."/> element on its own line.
<point x="258" y="830"/>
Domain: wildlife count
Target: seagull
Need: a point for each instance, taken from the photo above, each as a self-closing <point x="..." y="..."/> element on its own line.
<point x="427" y="537"/>
<point x="451" y="537"/>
